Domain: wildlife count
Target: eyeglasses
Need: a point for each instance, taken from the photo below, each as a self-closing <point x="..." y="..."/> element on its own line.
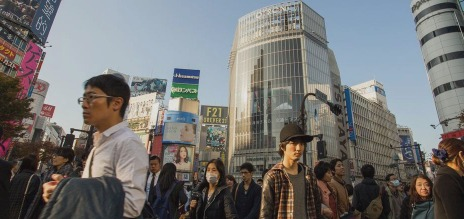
<point x="89" y="99"/>
<point x="244" y="172"/>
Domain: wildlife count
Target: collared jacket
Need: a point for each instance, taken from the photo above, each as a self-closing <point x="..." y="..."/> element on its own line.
<point x="343" y="201"/>
<point x="277" y="198"/>
<point x="448" y="194"/>
<point x="247" y="204"/>
<point x="220" y="205"/>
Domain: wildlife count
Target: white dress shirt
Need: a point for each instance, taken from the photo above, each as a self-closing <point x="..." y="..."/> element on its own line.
<point x="118" y="152"/>
<point x="147" y="188"/>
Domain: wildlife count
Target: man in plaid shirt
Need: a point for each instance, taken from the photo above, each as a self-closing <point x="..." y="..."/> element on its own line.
<point x="289" y="188"/>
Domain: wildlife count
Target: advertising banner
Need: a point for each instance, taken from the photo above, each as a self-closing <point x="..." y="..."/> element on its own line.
<point x="214" y="114"/>
<point x="8" y="63"/>
<point x="47" y="110"/>
<point x="28" y="67"/>
<point x="43" y="19"/>
<point x="349" y="112"/>
<point x="186" y="76"/>
<point x="189" y="91"/>
<point x="140" y="86"/>
<point x="216" y="136"/>
<point x="7" y="51"/>
<point x="180" y="155"/>
<point x="6" y="33"/>
<point x="180" y="127"/>
<point x="406" y="149"/>
<point x="21" y="11"/>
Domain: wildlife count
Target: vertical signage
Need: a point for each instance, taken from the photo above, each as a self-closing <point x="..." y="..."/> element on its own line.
<point x="406" y="148"/>
<point x="349" y="112"/>
<point x="28" y="67"/>
<point x="43" y="19"/>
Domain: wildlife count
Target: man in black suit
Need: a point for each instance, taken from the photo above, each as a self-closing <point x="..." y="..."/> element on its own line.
<point x="152" y="177"/>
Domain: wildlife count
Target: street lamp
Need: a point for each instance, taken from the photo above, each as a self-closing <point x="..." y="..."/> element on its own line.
<point x="336" y="109"/>
<point x="396" y="159"/>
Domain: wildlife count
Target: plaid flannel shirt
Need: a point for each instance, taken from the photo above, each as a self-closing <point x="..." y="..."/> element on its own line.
<point x="277" y="198"/>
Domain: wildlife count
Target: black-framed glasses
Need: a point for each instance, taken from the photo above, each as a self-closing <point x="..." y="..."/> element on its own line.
<point x="89" y="99"/>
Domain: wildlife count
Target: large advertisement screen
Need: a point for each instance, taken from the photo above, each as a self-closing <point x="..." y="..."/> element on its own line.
<point x="140" y="86"/>
<point x="180" y="155"/>
<point x="214" y="114"/>
<point x="406" y="148"/>
<point x="180" y="127"/>
<point x="216" y="136"/>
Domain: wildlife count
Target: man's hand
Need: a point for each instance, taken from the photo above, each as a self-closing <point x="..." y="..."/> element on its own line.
<point x="49" y="187"/>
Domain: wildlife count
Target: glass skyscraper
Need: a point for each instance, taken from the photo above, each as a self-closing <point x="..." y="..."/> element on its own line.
<point x="279" y="54"/>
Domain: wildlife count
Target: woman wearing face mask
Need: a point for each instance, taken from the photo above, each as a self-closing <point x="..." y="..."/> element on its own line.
<point x="448" y="191"/>
<point x="215" y="200"/>
<point x="419" y="205"/>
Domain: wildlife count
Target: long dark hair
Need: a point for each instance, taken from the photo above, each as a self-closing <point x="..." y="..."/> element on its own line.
<point x="415" y="197"/>
<point x="222" y="174"/>
<point x="178" y="154"/>
<point x="167" y="177"/>
<point x="30" y="162"/>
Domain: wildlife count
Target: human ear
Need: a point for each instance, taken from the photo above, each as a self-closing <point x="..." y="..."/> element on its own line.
<point x="116" y="104"/>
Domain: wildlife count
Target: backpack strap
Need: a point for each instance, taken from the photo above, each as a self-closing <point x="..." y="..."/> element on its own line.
<point x="235" y="188"/>
<point x="25" y="193"/>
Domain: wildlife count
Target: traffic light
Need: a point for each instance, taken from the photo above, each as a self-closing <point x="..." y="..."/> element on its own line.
<point x="69" y="140"/>
<point x="321" y="150"/>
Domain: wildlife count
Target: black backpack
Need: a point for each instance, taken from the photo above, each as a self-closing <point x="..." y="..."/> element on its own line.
<point x="161" y="204"/>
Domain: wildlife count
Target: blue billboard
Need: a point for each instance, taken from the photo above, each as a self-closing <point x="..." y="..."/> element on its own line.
<point x="180" y="128"/>
<point x="349" y="112"/>
<point x="186" y="76"/>
<point x="406" y="148"/>
<point x="43" y="19"/>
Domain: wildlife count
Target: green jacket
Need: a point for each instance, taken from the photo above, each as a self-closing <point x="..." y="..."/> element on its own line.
<point x="423" y="210"/>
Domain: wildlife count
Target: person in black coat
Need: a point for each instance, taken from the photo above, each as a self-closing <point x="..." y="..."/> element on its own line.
<point x="214" y="199"/>
<point x="25" y="187"/>
<point x="448" y="191"/>
<point x="5" y="175"/>
<point x="247" y="194"/>
<point x="368" y="190"/>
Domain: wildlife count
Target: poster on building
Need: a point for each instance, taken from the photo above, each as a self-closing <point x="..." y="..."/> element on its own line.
<point x="282" y="98"/>
<point x="216" y="136"/>
<point x="47" y="110"/>
<point x="180" y="127"/>
<point x="180" y="155"/>
<point x="141" y="85"/>
<point x="349" y="113"/>
<point x="28" y="67"/>
<point x="7" y="51"/>
<point x="214" y="114"/>
<point x="185" y="83"/>
<point x="406" y="148"/>
<point x="20" y="11"/>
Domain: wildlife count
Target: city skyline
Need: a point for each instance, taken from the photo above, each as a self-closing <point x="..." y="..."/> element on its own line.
<point x="150" y="39"/>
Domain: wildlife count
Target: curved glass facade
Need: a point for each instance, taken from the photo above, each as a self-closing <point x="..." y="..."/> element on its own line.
<point x="279" y="54"/>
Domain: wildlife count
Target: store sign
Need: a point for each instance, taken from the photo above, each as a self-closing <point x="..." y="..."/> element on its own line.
<point x="214" y="114"/>
<point x="47" y="110"/>
<point x="8" y="63"/>
<point x="417" y="5"/>
<point x="7" y="51"/>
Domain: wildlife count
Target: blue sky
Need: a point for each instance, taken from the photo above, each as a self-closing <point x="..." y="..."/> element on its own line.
<point x="371" y="40"/>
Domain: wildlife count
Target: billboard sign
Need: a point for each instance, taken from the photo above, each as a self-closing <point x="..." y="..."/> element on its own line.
<point x="140" y="86"/>
<point x="349" y="112"/>
<point x="188" y="91"/>
<point x="20" y="11"/>
<point x="214" y="114"/>
<point x="185" y="83"/>
<point x="6" y="33"/>
<point x="180" y="155"/>
<point x="47" y="110"/>
<point x="28" y="66"/>
<point x="216" y="136"/>
<point x="406" y="148"/>
<point x="180" y="127"/>
<point x="7" y="51"/>
<point x="43" y="19"/>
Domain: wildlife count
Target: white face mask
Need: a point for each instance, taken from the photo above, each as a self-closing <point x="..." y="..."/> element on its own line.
<point x="395" y="183"/>
<point x="211" y="178"/>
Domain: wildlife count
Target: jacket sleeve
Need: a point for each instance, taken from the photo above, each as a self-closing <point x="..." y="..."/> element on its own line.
<point x="450" y="195"/>
<point x="267" y="198"/>
<point x="356" y="199"/>
<point x="405" y="213"/>
<point x="254" y="213"/>
<point x="385" y="203"/>
<point x="229" y="206"/>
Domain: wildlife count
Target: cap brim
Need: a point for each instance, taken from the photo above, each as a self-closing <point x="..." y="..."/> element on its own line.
<point x="305" y="138"/>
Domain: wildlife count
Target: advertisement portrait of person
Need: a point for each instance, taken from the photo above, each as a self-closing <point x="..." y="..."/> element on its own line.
<point x="179" y="155"/>
<point x="179" y="133"/>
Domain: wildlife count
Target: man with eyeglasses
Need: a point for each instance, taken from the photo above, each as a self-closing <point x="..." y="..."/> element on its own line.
<point x="290" y="188"/>
<point x="247" y="194"/>
<point x="118" y="151"/>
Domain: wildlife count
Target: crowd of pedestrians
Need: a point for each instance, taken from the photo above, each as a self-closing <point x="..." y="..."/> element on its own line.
<point x="118" y="180"/>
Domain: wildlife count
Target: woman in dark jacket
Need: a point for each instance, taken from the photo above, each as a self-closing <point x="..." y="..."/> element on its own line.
<point x="215" y="199"/>
<point x="25" y="187"/>
<point x="419" y="205"/>
<point x="448" y="191"/>
<point x="167" y="181"/>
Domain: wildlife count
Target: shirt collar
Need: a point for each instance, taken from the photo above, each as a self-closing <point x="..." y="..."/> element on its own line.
<point x="100" y="137"/>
